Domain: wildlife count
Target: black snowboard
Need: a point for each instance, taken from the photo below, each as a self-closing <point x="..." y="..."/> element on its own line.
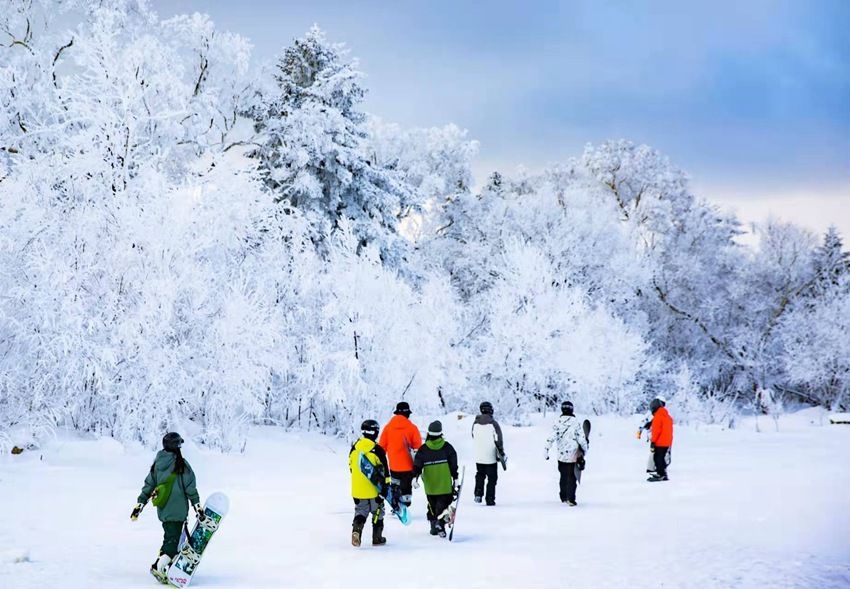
<point x="580" y="463"/>
<point x="502" y="458"/>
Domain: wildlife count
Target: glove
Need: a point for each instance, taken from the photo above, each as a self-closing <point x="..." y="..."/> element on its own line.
<point x="136" y="511"/>
<point x="416" y="483"/>
<point x="387" y="489"/>
<point x="199" y="511"/>
<point x="652" y="446"/>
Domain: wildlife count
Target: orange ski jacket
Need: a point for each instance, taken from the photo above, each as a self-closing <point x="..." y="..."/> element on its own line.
<point x="662" y="428"/>
<point x="399" y="438"/>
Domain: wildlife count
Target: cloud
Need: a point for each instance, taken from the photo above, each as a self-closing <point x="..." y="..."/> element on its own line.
<point x="752" y="93"/>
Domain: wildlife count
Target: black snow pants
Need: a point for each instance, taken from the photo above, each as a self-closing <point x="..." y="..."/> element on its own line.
<point x="568" y="480"/>
<point x="404" y="480"/>
<point x="660" y="457"/>
<point x="437" y="504"/>
<point x="490" y="474"/>
<point x="171" y="537"/>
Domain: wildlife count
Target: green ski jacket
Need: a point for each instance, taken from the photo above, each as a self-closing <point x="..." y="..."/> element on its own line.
<point x="183" y="491"/>
<point x="436" y="462"/>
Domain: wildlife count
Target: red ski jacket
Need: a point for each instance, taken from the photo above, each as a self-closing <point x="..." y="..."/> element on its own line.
<point x="399" y="438"/>
<point x="662" y="428"/>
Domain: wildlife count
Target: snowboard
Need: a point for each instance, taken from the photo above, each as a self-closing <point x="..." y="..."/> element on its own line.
<point x="376" y="477"/>
<point x="453" y="507"/>
<point x="650" y="462"/>
<point x="192" y="546"/>
<point x="502" y="458"/>
<point x="585" y="426"/>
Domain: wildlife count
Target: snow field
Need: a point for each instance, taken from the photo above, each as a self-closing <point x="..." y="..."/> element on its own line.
<point x="743" y="509"/>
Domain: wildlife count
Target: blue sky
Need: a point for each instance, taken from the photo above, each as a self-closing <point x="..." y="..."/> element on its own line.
<point x="752" y="97"/>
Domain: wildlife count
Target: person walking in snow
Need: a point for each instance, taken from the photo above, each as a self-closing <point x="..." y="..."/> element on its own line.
<point x="368" y="494"/>
<point x="568" y="436"/>
<point x="661" y="439"/>
<point x="171" y="484"/>
<point x="487" y="437"/>
<point x="400" y="440"/>
<point x="436" y="463"/>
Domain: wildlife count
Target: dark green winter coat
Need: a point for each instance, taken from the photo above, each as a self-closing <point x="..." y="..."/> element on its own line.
<point x="436" y="461"/>
<point x="183" y="491"/>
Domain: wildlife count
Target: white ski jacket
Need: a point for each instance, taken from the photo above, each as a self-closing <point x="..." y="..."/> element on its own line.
<point x="568" y="436"/>
<point x="487" y="437"/>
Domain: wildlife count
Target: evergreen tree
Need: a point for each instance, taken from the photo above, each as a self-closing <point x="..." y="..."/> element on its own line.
<point x="314" y="145"/>
<point x="831" y="263"/>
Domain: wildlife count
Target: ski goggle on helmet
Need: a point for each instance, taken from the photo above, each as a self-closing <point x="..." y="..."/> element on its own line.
<point x="370" y="428"/>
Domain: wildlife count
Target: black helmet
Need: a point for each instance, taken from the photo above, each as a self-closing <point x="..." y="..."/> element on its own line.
<point x="370" y="429"/>
<point x="171" y="442"/>
<point x="567" y="408"/>
<point x="402" y="408"/>
<point x="656" y="404"/>
<point x="486" y="408"/>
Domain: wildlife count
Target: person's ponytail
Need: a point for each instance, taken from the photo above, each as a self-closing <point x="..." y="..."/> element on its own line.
<point x="179" y="463"/>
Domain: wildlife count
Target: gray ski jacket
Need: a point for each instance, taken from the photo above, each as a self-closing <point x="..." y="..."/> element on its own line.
<point x="487" y="436"/>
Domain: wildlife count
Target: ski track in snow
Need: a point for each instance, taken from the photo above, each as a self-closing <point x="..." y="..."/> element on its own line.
<point x="743" y="509"/>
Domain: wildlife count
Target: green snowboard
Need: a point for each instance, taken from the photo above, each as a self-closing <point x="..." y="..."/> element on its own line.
<point x="193" y="546"/>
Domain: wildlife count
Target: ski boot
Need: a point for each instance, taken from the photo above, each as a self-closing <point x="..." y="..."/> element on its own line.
<point x="571" y="502"/>
<point x="478" y="498"/>
<point x="435" y="529"/>
<point x="655" y="478"/>
<point x="377" y="537"/>
<point x="356" y="532"/>
<point x="441" y="529"/>
<point x="159" y="569"/>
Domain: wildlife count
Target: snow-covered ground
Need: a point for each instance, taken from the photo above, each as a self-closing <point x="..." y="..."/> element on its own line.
<point x="743" y="509"/>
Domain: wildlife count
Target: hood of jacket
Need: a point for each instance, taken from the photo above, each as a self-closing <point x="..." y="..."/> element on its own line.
<point x="164" y="461"/>
<point x="436" y="444"/>
<point x="397" y="422"/>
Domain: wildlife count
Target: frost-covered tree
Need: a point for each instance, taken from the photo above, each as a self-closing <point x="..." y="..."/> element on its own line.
<point x="776" y="276"/>
<point x="816" y="350"/>
<point x="368" y="340"/>
<point x="544" y="340"/>
<point x="545" y="273"/>
<point x="831" y="263"/>
<point x="435" y="163"/>
<point x="153" y="276"/>
<point x="688" y="248"/>
<point x="812" y="334"/>
<point x="314" y="150"/>
<point x="124" y="311"/>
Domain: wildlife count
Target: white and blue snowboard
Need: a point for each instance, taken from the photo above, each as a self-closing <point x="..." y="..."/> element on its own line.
<point x="376" y="477"/>
<point x="192" y="547"/>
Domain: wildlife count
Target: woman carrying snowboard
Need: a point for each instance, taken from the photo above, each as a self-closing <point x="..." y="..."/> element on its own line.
<point x="171" y="485"/>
